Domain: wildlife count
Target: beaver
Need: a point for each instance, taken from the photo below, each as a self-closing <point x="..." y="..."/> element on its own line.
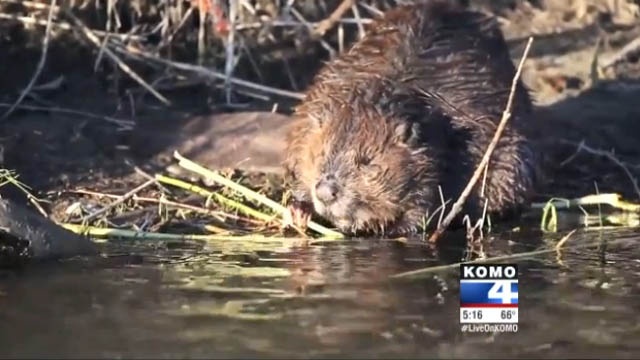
<point x="399" y="122"/>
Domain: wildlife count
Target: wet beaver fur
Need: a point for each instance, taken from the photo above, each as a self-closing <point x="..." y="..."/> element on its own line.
<point x="408" y="110"/>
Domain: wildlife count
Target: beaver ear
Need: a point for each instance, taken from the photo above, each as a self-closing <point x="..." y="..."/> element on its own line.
<point x="407" y="133"/>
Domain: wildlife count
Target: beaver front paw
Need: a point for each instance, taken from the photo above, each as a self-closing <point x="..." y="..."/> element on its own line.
<point x="297" y="215"/>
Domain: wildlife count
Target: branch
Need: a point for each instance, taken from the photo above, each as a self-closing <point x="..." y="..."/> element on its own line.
<point x="506" y="115"/>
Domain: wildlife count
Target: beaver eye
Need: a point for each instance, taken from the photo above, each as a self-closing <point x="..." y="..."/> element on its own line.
<point x="363" y="161"/>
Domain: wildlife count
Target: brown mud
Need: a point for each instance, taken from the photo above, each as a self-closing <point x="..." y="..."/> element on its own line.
<point x="54" y="151"/>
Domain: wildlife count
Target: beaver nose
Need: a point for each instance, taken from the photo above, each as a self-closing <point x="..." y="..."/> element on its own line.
<point x="327" y="189"/>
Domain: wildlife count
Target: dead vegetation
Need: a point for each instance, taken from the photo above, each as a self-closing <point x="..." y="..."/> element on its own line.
<point x="152" y="54"/>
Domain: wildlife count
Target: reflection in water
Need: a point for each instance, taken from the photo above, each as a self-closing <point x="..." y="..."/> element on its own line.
<point x="230" y="299"/>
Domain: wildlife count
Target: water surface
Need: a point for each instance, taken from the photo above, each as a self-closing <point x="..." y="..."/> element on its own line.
<point x="333" y="300"/>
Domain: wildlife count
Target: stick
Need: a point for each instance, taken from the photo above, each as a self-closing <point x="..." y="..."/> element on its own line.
<point x="43" y="58"/>
<point x="122" y="199"/>
<point x="230" y="61"/>
<point x="308" y="25"/>
<point x="626" y="52"/>
<point x="124" y="123"/>
<point x="356" y="15"/>
<point x="201" y="70"/>
<point x="28" y="4"/>
<point x="285" y="23"/>
<point x="124" y="67"/>
<point x="506" y="115"/>
<point x="66" y="26"/>
<point x="202" y="15"/>
<point x="94" y="231"/>
<point x="166" y="41"/>
<point x="326" y="24"/>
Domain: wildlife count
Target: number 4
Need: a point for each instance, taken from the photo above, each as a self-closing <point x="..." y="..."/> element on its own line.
<point x="502" y="290"/>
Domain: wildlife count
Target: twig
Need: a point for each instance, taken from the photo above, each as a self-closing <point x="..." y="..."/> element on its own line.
<point x="230" y="61"/>
<point x="221" y="199"/>
<point x="201" y="70"/>
<point x="122" y="199"/>
<point x="169" y="39"/>
<point x="561" y="243"/>
<point x="65" y="26"/>
<point x="626" y="52"/>
<point x="10" y="176"/>
<point x="123" y="123"/>
<point x="43" y="58"/>
<point x="326" y="24"/>
<point x="375" y="11"/>
<point x="356" y="15"/>
<point x="506" y="115"/>
<point x="124" y="67"/>
<point x="146" y="175"/>
<point x="142" y="235"/>
<point x="311" y="29"/>
<point x="254" y="64"/>
<point x="29" y="4"/>
<point x="285" y="23"/>
<point x="564" y="239"/>
<point x="202" y="16"/>
<point x="190" y="165"/>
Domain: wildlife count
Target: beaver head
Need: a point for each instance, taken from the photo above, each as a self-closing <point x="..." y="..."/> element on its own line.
<point x="366" y="163"/>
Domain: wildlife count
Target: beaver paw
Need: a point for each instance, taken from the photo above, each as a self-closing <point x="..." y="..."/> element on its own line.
<point x="298" y="215"/>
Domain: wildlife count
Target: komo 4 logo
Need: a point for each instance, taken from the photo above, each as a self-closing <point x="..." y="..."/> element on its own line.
<point x="502" y="290"/>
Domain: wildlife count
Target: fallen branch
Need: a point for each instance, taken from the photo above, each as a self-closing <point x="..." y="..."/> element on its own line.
<point x="506" y="115"/>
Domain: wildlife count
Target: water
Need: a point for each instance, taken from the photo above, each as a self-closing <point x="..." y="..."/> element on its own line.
<point x="326" y="300"/>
